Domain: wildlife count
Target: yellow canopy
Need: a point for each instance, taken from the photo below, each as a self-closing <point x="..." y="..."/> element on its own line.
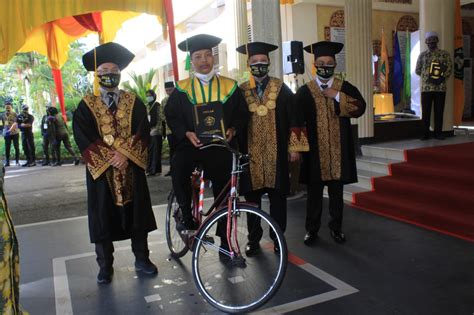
<point x="24" y="24"/>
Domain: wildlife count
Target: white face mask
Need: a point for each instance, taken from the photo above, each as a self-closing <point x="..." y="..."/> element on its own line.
<point x="205" y="78"/>
<point x="149" y="99"/>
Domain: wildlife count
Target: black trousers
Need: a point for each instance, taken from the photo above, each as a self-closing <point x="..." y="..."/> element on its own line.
<point x="277" y="212"/>
<point x="67" y="144"/>
<point x="105" y="250"/>
<point x="172" y="146"/>
<point x="154" y="154"/>
<point x="314" y="205"/>
<point x="437" y="100"/>
<point x="28" y="143"/>
<point x="46" y="146"/>
<point x="217" y="165"/>
<point x="8" y="143"/>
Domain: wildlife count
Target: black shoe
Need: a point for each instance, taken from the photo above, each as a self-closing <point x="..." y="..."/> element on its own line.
<point x="310" y="238"/>
<point x="440" y="137"/>
<point x="57" y="164"/>
<point x="424" y="138"/>
<point x="187" y="225"/>
<point x="25" y="165"/>
<point x="252" y="249"/>
<point x="168" y="174"/>
<point x="146" y="266"/>
<point x="45" y="163"/>
<point x="338" y="236"/>
<point x="7" y="164"/>
<point x="76" y="161"/>
<point x="105" y="275"/>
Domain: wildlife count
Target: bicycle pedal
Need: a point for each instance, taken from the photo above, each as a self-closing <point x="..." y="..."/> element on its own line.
<point x="188" y="232"/>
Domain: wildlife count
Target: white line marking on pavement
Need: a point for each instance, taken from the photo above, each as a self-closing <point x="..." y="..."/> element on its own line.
<point x="12" y="176"/>
<point x="152" y="298"/>
<point x="155" y="208"/>
<point x="342" y="289"/>
<point x="62" y="293"/>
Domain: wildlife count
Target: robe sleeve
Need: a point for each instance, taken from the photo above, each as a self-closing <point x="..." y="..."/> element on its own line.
<point x="240" y="114"/>
<point x="94" y="151"/>
<point x="351" y="103"/>
<point x="135" y="148"/>
<point x="298" y="139"/>
<point x="174" y="116"/>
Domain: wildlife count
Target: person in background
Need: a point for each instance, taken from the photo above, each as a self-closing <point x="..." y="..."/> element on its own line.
<point x="10" y="133"/>
<point x="156" y="139"/>
<point x="25" y="123"/>
<point x="169" y="88"/>
<point x="61" y="135"/>
<point x="434" y="66"/>
<point x="328" y="104"/>
<point x="48" y="133"/>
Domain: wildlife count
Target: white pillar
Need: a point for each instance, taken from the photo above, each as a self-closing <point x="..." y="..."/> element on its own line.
<point x="266" y="27"/>
<point x="358" y="24"/>
<point x="237" y="35"/>
<point x="438" y="16"/>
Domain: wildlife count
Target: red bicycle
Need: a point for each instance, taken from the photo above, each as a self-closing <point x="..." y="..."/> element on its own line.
<point x="237" y="283"/>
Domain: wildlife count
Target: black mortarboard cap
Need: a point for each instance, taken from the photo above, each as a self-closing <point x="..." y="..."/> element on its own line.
<point x="199" y="42"/>
<point x="256" y="48"/>
<point x="169" y="84"/>
<point x="324" y="48"/>
<point x="108" y="52"/>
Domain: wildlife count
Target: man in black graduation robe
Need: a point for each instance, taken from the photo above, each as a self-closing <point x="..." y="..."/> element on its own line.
<point x="328" y="104"/>
<point x="112" y="131"/>
<point x="275" y="136"/>
<point x="203" y="86"/>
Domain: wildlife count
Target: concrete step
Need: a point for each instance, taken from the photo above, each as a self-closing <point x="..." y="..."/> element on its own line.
<point x="365" y="178"/>
<point x="381" y="152"/>
<point x="374" y="164"/>
<point x="348" y="191"/>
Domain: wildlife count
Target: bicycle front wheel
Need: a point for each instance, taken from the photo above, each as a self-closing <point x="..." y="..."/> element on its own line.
<point x="176" y="242"/>
<point x="241" y="283"/>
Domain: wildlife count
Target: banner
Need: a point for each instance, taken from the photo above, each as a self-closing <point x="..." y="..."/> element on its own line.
<point x="384" y="67"/>
<point x="458" y="68"/>
<point x="406" y="94"/>
<point x="397" y="72"/>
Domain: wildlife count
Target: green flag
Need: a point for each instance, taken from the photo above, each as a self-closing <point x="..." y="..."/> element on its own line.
<point x="406" y="94"/>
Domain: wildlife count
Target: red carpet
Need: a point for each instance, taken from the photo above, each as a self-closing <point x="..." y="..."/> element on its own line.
<point x="433" y="189"/>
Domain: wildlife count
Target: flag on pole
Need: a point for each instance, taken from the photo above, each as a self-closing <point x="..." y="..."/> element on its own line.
<point x="406" y="94"/>
<point x="397" y="84"/>
<point x="458" y="68"/>
<point x="384" y="66"/>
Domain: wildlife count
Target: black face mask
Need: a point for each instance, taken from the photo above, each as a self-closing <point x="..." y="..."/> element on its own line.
<point x="432" y="45"/>
<point x="109" y="80"/>
<point x="325" y="72"/>
<point x="259" y="70"/>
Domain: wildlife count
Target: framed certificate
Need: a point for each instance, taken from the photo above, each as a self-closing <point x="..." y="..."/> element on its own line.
<point x="208" y="120"/>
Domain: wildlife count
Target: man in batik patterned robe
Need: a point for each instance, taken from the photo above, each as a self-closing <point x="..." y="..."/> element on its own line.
<point x="274" y="137"/>
<point x="112" y="131"/>
<point x="328" y="104"/>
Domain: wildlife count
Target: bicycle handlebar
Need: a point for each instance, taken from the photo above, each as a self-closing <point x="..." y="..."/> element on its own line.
<point x="222" y="142"/>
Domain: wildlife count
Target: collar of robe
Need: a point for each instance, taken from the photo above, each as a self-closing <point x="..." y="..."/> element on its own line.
<point x="219" y="89"/>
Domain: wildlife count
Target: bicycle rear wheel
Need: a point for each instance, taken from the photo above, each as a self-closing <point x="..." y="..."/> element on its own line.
<point x="176" y="242"/>
<point x="239" y="284"/>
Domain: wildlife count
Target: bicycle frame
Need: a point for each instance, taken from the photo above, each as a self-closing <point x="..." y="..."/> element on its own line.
<point x="227" y="197"/>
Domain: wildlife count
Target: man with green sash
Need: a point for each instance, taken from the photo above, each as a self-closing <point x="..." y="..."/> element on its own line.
<point x="203" y="86"/>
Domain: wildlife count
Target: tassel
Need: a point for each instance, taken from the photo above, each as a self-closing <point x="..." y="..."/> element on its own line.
<point x="95" y="85"/>
<point x="187" y="67"/>
<point x="313" y="67"/>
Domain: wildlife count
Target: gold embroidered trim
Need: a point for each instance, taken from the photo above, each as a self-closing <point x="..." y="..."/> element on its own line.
<point x="346" y="105"/>
<point x="262" y="105"/>
<point x="298" y="143"/>
<point x="329" y="132"/>
<point x="262" y="134"/>
<point x="114" y="130"/>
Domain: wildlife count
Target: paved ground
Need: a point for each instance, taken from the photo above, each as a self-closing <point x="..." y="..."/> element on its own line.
<point x="386" y="267"/>
<point x="47" y="193"/>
